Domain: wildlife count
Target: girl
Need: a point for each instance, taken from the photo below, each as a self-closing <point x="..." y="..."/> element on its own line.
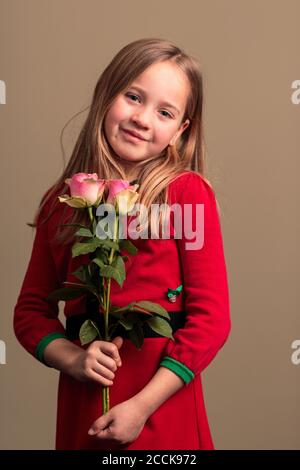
<point x="144" y="125"/>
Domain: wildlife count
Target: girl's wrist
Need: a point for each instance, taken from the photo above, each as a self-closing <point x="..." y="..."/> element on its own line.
<point x="62" y="354"/>
<point x="140" y="403"/>
<point x="161" y="387"/>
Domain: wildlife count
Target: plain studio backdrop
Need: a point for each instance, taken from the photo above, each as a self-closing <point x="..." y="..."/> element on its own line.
<point x="51" y="54"/>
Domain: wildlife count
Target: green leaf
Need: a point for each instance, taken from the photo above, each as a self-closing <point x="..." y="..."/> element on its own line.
<point x="115" y="314"/>
<point x="161" y="326"/>
<point x="144" y="306"/>
<point x="74" y="284"/>
<point x="111" y="272"/>
<point x="89" y="287"/>
<point x="83" y="273"/>
<point x="136" y="335"/>
<point x="84" y="232"/>
<point x="153" y="307"/>
<point x="116" y="270"/>
<point x="122" y="309"/>
<point x="80" y="273"/>
<point x="99" y="262"/>
<point x="119" y="264"/>
<point x="108" y="244"/>
<point x="131" y="307"/>
<point x="95" y="326"/>
<point x="83" y="248"/>
<point x="88" y="332"/>
<point x="67" y="293"/>
<point x="127" y="322"/>
<point x="102" y="255"/>
<point x="138" y="309"/>
<point x="128" y="246"/>
<point x="98" y="254"/>
<point x="94" y="273"/>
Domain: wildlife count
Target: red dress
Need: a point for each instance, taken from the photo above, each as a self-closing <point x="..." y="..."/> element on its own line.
<point x="180" y="422"/>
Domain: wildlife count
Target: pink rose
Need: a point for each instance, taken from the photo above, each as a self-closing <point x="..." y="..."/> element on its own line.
<point x="86" y="190"/>
<point x="114" y="187"/>
<point x="122" y="194"/>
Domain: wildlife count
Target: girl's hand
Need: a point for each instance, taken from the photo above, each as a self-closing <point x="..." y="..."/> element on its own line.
<point x="122" y="423"/>
<point x="98" y="362"/>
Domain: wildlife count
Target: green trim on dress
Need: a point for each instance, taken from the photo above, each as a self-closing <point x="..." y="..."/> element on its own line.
<point x="180" y="369"/>
<point x="39" y="352"/>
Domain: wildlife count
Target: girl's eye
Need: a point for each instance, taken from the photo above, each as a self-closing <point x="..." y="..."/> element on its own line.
<point x="135" y="96"/>
<point x="131" y="94"/>
<point x="168" y="114"/>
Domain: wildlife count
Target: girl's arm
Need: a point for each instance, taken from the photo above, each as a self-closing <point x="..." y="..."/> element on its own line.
<point x="67" y="357"/>
<point x="161" y="387"/>
<point x="206" y="300"/>
<point x="206" y="293"/>
<point x="125" y="421"/>
<point x="98" y="362"/>
<point x="39" y="330"/>
<point x="36" y="321"/>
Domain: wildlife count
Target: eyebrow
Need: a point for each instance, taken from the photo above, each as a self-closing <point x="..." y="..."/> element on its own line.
<point x="164" y="103"/>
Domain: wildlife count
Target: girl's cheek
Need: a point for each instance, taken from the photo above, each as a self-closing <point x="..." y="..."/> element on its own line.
<point x="122" y="112"/>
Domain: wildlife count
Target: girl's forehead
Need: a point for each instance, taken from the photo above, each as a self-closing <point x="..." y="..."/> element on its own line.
<point x="164" y="79"/>
<point x="161" y="70"/>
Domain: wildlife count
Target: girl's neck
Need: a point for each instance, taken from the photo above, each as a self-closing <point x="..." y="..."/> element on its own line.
<point x="131" y="172"/>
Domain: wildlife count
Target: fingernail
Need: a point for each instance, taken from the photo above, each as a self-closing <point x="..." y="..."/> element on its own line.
<point x="91" y="432"/>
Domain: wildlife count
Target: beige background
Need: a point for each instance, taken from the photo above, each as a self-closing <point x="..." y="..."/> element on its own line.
<point x="51" y="54"/>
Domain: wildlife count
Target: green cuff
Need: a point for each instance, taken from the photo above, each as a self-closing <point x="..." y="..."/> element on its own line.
<point x="180" y="369"/>
<point x="39" y="352"/>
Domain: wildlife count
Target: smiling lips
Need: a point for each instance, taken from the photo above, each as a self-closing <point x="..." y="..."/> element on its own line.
<point x="134" y="134"/>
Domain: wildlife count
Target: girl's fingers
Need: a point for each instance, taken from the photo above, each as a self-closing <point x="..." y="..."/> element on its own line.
<point x="99" y="379"/>
<point x="104" y="434"/>
<point x="111" y="350"/>
<point x="106" y="361"/>
<point x="101" y="370"/>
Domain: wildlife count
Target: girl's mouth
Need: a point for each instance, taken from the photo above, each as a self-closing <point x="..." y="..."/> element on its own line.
<point x="132" y="137"/>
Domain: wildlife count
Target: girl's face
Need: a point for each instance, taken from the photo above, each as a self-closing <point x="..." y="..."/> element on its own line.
<point x="152" y="106"/>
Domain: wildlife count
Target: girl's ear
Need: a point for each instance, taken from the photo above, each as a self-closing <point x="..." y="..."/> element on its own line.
<point x="179" y="132"/>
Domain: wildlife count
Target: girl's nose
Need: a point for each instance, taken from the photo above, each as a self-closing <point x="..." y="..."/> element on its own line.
<point x="142" y="119"/>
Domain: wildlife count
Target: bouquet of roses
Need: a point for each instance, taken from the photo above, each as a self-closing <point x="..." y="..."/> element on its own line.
<point x="98" y="196"/>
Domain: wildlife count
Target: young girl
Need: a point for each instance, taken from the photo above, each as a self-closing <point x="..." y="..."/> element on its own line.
<point x="144" y="125"/>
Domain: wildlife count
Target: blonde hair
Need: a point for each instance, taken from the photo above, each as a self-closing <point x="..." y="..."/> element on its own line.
<point x="92" y="152"/>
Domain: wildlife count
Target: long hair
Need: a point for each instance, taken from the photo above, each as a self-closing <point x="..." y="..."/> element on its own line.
<point x="92" y="152"/>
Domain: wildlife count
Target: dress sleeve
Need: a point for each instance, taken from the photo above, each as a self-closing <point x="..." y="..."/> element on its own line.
<point x="206" y="295"/>
<point x="36" y="321"/>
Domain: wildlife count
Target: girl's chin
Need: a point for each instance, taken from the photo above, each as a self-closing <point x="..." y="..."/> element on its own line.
<point x="131" y="158"/>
